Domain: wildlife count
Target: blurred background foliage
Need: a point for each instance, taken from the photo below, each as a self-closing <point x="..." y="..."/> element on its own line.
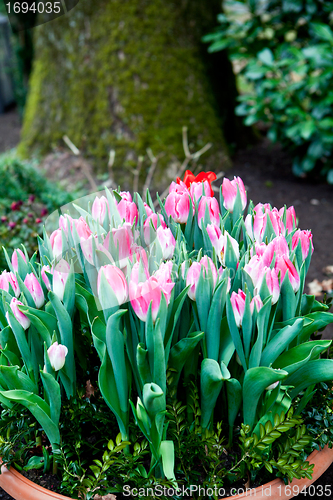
<point x="282" y="53"/>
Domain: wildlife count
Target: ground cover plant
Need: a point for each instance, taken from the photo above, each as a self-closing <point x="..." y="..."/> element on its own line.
<point x="167" y="348"/>
<point x="283" y="55"/>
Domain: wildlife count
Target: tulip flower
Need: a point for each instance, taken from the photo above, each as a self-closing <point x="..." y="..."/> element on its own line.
<point x="126" y="195"/>
<point x="219" y="242"/>
<point x="196" y="190"/>
<point x="283" y="265"/>
<point x="117" y="281"/>
<point x="56" y="243"/>
<point x="213" y="210"/>
<point x="57" y="354"/>
<point x="254" y="268"/>
<point x="167" y="242"/>
<point x="128" y="211"/>
<point x="150" y="291"/>
<point x="46" y="269"/>
<point x="257" y="303"/>
<point x="148" y="209"/>
<point x="272" y="282"/>
<point x="194" y="273"/>
<point x="229" y="192"/>
<point x="124" y="239"/>
<point x="15" y="259"/>
<point x="35" y="289"/>
<point x="290" y="218"/>
<point x="82" y="228"/>
<point x="238" y="306"/>
<point x="177" y="204"/>
<point x="21" y="318"/>
<point x="205" y="177"/>
<point x="99" y="209"/>
<point x="306" y="242"/>
<point x="60" y="277"/>
<point x="153" y="218"/>
<point x="6" y="278"/>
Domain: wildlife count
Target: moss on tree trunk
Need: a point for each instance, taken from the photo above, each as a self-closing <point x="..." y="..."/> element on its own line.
<point x="124" y="75"/>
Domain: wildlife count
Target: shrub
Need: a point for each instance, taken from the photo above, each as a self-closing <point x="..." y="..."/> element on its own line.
<point x="283" y="52"/>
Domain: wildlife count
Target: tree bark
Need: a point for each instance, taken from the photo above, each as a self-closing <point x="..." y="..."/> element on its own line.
<point x="128" y="75"/>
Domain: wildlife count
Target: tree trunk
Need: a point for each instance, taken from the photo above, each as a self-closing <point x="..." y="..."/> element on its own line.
<point x="127" y="75"/>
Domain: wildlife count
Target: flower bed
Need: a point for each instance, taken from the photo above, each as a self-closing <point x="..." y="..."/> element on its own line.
<point x="181" y="339"/>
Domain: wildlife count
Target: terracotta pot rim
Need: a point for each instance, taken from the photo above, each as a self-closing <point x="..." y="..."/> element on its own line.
<point x="15" y="484"/>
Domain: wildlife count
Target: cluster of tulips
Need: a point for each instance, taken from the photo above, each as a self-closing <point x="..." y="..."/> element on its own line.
<point x="199" y="290"/>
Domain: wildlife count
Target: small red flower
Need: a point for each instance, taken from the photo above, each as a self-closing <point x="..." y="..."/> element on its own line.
<point x="11" y="225"/>
<point x="189" y="177"/>
<point x="30" y="215"/>
<point x="43" y="212"/>
<point x="38" y="220"/>
<point x="25" y="220"/>
<point x="3" y="218"/>
<point x="15" y="206"/>
<point x="32" y="198"/>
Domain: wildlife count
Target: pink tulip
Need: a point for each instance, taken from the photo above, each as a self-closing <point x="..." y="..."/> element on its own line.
<point x="56" y="243"/>
<point x="194" y="273"/>
<point x="128" y="211"/>
<point x="196" y="190"/>
<point x="272" y="282"/>
<point x="148" y="209"/>
<point x="15" y="260"/>
<point x="123" y="237"/>
<point x="46" y="269"/>
<point x="60" y="277"/>
<point x="21" y="318"/>
<point x="219" y="242"/>
<point x="229" y="192"/>
<point x="152" y="219"/>
<point x="88" y="249"/>
<point x="126" y="195"/>
<point x="99" y="209"/>
<point x="66" y="222"/>
<point x="82" y="228"/>
<point x="213" y="210"/>
<point x="117" y="281"/>
<point x="238" y="306"/>
<point x="179" y="188"/>
<point x="306" y="242"/>
<point x="290" y="218"/>
<point x="256" y="302"/>
<point x="57" y="355"/>
<point x="280" y="246"/>
<point x="167" y="242"/>
<point x="177" y="204"/>
<point x="282" y="265"/>
<point x="150" y="291"/>
<point x="5" y="279"/>
<point x="35" y="289"/>
<point x="254" y="268"/>
<point x="222" y="271"/>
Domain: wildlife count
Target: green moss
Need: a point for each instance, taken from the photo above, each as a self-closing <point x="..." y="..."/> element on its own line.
<point x="123" y="75"/>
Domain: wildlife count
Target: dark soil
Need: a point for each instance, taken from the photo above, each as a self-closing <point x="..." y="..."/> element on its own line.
<point x="266" y="172"/>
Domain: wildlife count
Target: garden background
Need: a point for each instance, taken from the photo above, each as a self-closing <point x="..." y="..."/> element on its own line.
<point x="101" y="96"/>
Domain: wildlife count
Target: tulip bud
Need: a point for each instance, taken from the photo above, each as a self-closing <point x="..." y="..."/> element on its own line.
<point x="238" y="306"/>
<point x="213" y="210"/>
<point x="15" y="259"/>
<point x="153" y="218"/>
<point x="56" y="243"/>
<point x="60" y="277"/>
<point x="282" y="265"/>
<point x="7" y="278"/>
<point x="117" y="281"/>
<point x="229" y="192"/>
<point x="177" y="204"/>
<point x="124" y="239"/>
<point x="167" y="242"/>
<point x="196" y="190"/>
<point x="46" y="269"/>
<point x="306" y="242"/>
<point x="272" y="282"/>
<point x="219" y="242"/>
<point x="21" y="318"/>
<point x="99" y="209"/>
<point x="128" y="211"/>
<point x="35" y="289"/>
<point x="194" y="273"/>
<point x="82" y="228"/>
<point x="57" y="354"/>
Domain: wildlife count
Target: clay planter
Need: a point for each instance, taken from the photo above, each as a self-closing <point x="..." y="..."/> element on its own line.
<point x="22" y="488"/>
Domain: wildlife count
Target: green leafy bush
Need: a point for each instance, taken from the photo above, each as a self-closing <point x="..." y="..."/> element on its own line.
<point x="283" y="54"/>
